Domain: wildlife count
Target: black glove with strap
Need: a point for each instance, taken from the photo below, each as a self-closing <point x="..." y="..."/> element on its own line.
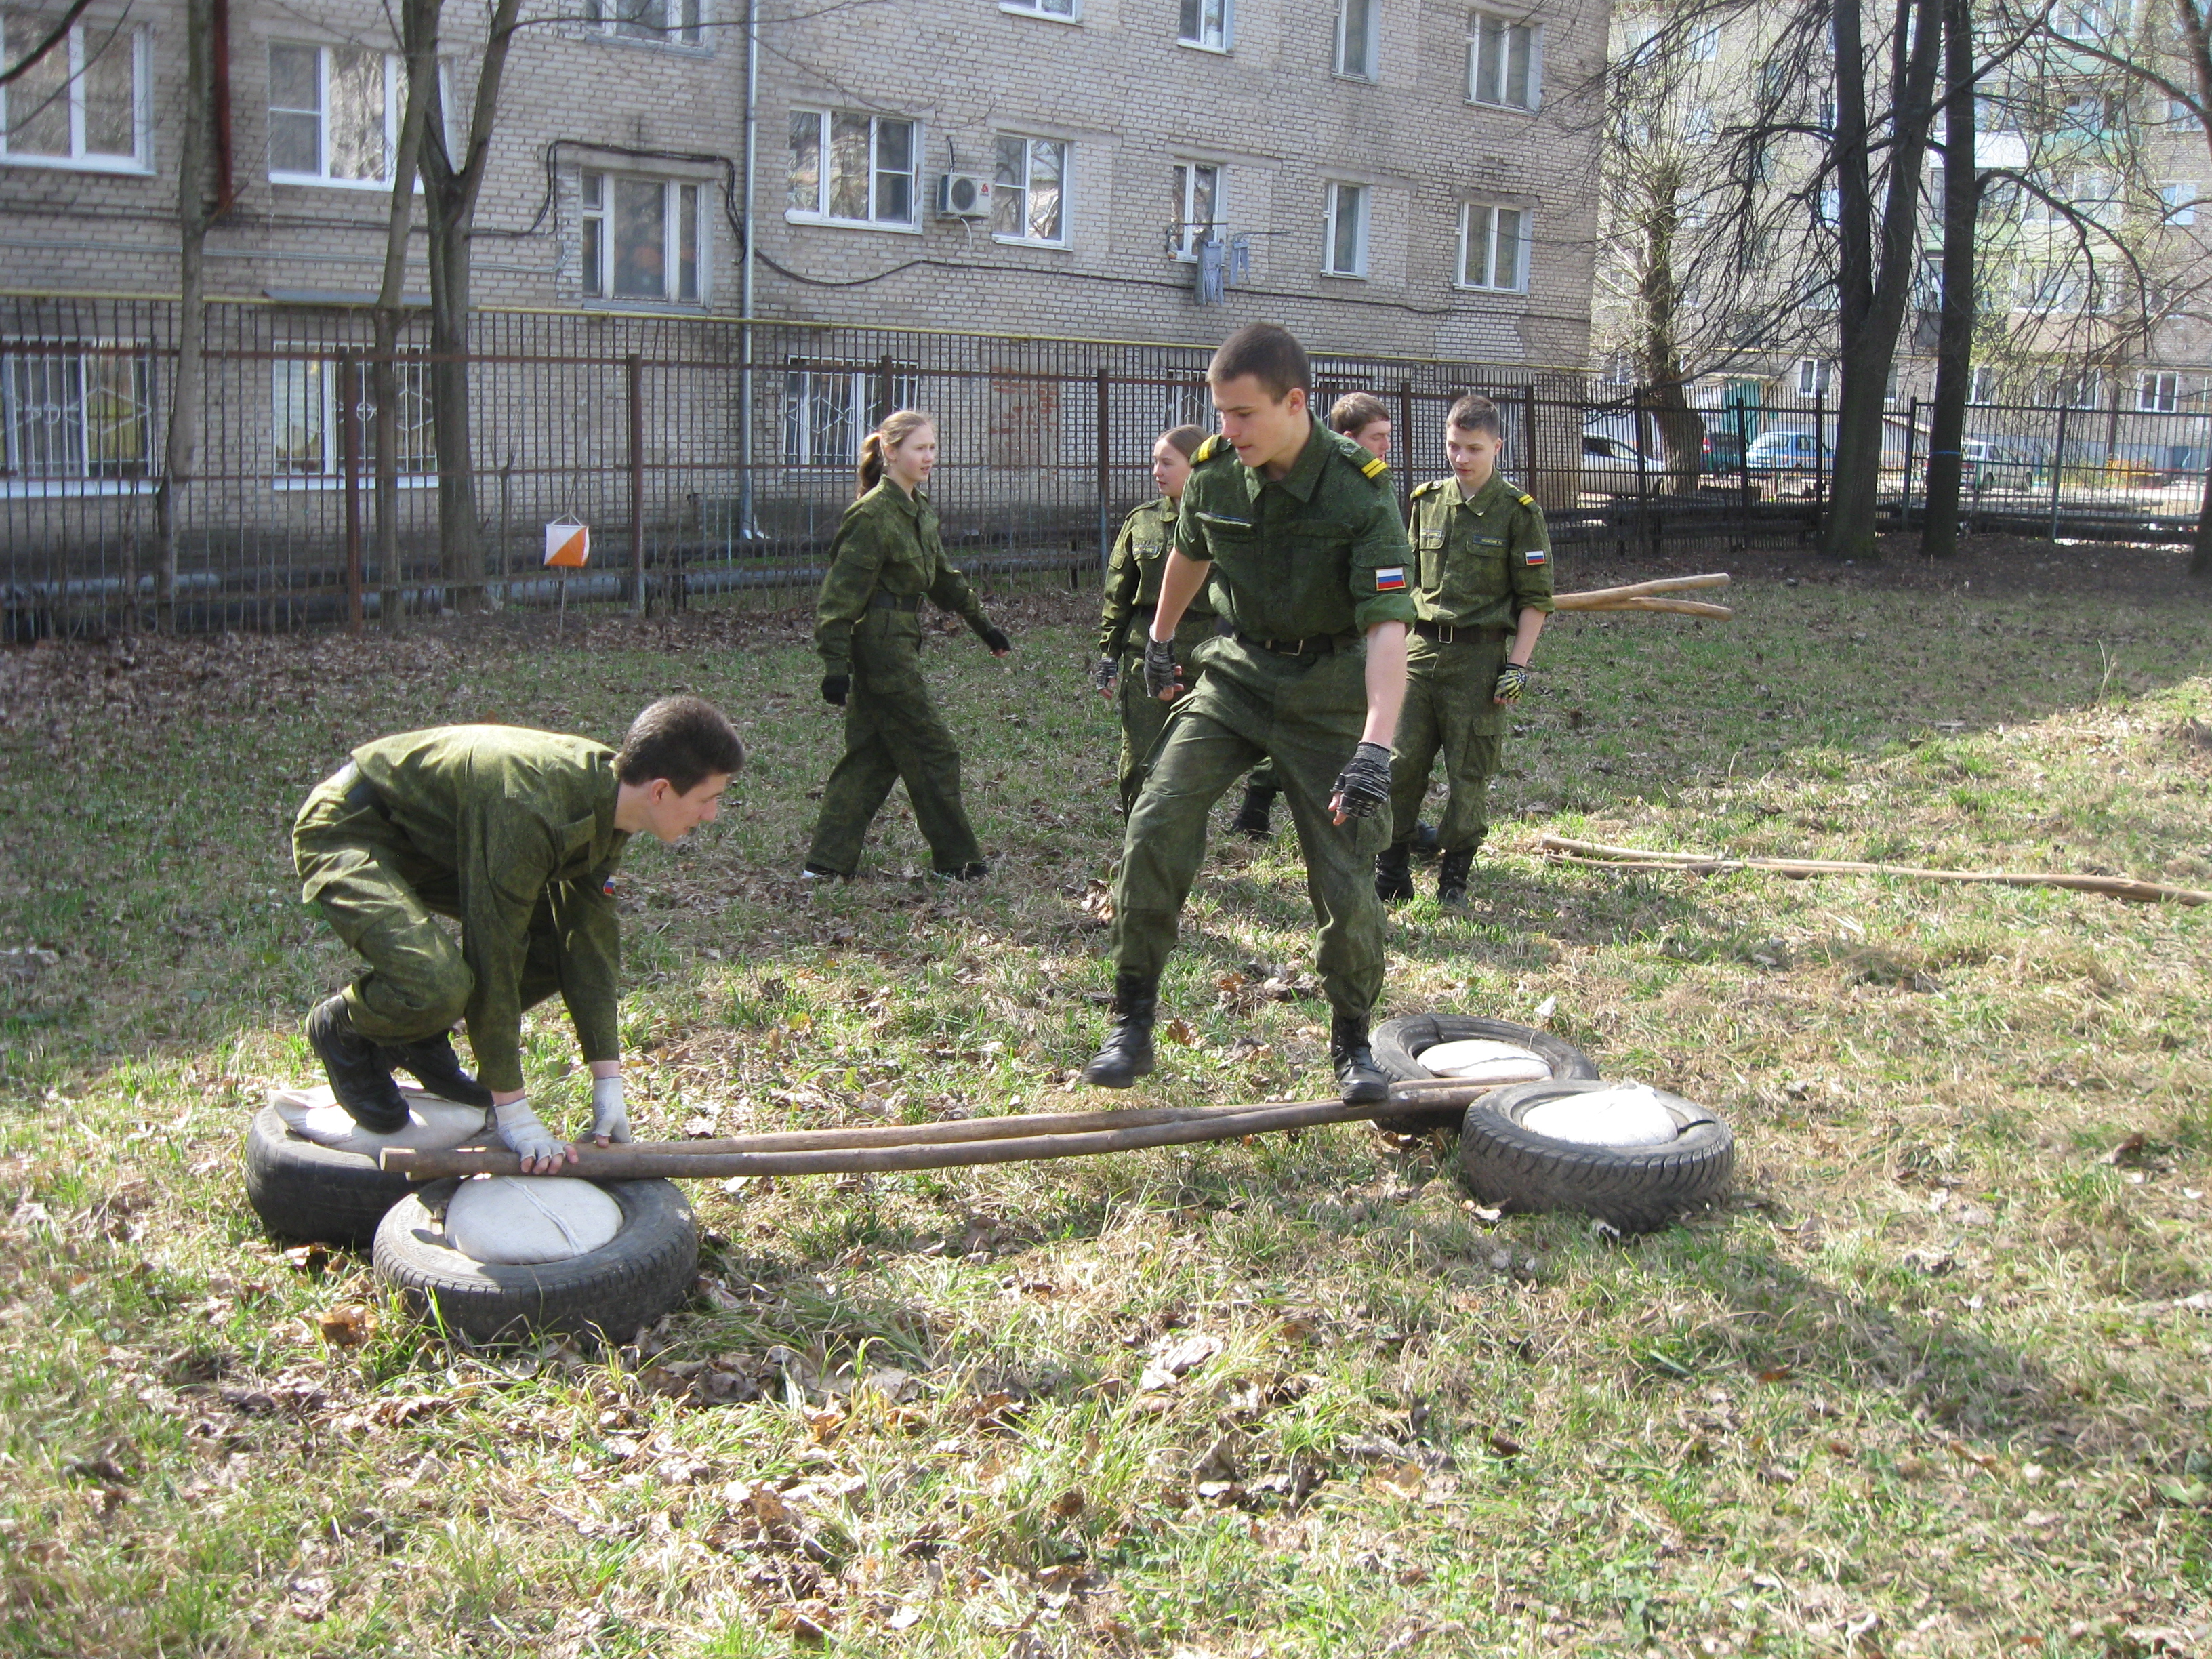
<point x="1364" y="784"/>
<point x="1104" y="672"/>
<point x="1512" y="680"/>
<point x="834" y="687"/>
<point x="995" y="640"/>
<point x="1160" y="674"/>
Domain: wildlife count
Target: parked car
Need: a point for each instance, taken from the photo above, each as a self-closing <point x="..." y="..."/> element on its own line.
<point x="1987" y="463"/>
<point x="1611" y="467"/>
<point x="1787" y="452"/>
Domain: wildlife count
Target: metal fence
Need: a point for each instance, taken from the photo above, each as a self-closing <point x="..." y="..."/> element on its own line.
<point x="709" y="456"/>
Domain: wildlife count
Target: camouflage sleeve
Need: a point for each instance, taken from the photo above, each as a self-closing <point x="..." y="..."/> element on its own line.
<point x="1190" y="530"/>
<point x="949" y="591"/>
<point x="854" y="558"/>
<point x="1529" y="560"/>
<point x="588" y="940"/>
<point x="505" y="857"/>
<point x="1380" y="577"/>
<point x="1122" y="578"/>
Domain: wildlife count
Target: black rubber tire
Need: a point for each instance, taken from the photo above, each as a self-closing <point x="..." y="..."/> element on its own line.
<point x="1400" y="1043"/>
<point x="314" y="1194"/>
<point x="1639" y="1190"/>
<point x="641" y="1273"/>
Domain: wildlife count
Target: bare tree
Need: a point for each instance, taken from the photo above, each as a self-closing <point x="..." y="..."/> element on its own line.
<point x="419" y="43"/>
<point x="1954" y="346"/>
<point x="181" y="457"/>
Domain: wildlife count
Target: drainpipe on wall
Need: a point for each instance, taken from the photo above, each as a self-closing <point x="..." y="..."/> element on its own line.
<point x="746" y="526"/>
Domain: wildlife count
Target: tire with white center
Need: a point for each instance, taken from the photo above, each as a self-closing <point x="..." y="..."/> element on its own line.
<point x="646" y="1270"/>
<point x="1398" y="1045"/>
<point x="1638" y="1189"/>
<point x="312" y="1193"/>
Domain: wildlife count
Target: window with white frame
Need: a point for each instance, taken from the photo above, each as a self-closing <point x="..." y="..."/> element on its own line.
<point x="1029" y="198"/>
<point x="82" y="105"/>
<point x="1493" y="246"/>
<point x="334" y="114"/>
<point x="1816" y="376"/>
<point x="1356" y="27"/>
<point x="2179" y="200"/>
<point x="1981" y="384"/>
<point x="1197" y="205"/>
<point x="1042" y="8"/>
<point x="1205" y="23"/>
<point x="1343" y="248"/>
<point x="75" y="410"/>
<point x="826" y="413"/>
<point x="641" y="238"/>
<point x="1504" y="61"/>
<point x="672" y="22"/>
<point x="2158" y="391"/>
<point x="308" y="419"/>
<point x="853" y="169"/>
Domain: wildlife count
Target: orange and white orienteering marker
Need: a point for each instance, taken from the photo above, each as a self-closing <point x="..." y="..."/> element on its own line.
<point x="568" y="544"/>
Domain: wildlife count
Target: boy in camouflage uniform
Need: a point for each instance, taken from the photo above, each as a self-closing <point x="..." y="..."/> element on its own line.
<point x="1297" y="530"/>
<point x="516" y="834"/>
<point x="1482" y="588"/>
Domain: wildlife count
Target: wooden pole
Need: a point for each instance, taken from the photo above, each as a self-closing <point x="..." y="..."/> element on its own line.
<point x="1590" y="596"/>
<point x="627" y="1164"/>
<point x="1638" y="858"/>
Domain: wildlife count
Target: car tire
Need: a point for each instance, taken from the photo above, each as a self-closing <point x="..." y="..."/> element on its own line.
<point x="312" y="1193"/>
<point x="643" y="1271"/>
<point x="1398" y="1045"/>
<point x="1637" y="1189"/>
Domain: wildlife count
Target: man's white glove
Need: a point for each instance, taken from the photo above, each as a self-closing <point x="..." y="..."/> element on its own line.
<point x="610" y="1118"/>
<point x="521" y="1133"/>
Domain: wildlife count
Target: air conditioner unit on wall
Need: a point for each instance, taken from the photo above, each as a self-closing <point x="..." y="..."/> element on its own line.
<point x="963" y="196"/>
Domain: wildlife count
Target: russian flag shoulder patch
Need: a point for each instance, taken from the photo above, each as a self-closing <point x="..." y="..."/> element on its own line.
<point x="1535" y="555"/>
<point x="1390" y="578"/>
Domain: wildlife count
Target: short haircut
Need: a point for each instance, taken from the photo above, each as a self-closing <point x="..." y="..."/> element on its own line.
<point x="1476" y="413"/>
<point x="686" y="740"/>
<point x="1356" y="411"/>
<point x="1185" y="440"/>
<point x="1269" y="355"/>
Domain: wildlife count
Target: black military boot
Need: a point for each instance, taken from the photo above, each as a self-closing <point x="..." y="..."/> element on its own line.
<point x="1393" y="878"/>
<point x="1357" y="1077"/>
<point x="1255" y="817"/>
<point x="359" y="1075"/>
<point x="1128" y="1055"/>
<point x="432" y="1062"/>
<point x="1452" y="876"/>
<point x="1426" y="843"/>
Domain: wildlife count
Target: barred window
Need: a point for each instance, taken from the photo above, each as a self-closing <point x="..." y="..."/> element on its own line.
<point x="77" y="409"/>
<point x="308" y="420"/>
<point x="826" y="412"/>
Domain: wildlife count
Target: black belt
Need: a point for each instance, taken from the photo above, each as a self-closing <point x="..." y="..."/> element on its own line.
<point x="1452" y="633"/>
<point x="894" y="601"/>
<point x="1293" y="647"/>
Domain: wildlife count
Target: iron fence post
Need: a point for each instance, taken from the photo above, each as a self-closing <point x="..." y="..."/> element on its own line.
<point x="1819" y="459"/>
<point x="1528" y="431"/>
<point x="633" y="375"/>
<point x="1743" y="473"/>
<point x="2058" y="470"/>
<point x="349" y="464"/>
<point x="1404" y="445"/>
<point x="1911" y="442"/>
<point x="1105" y="472"/>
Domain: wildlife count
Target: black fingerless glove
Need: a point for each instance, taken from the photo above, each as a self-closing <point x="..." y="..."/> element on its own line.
<point x="834" y="687"/>
<point x="1364" y="783"/>
<point x="1104" y="672"/>
<point x="1512" y="680"/>
<point x="994" y="640"/>
<point x="1160" y="674"/>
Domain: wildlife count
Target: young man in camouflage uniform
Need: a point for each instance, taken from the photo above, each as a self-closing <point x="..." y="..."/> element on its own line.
<point x="516" y="834"/>
<point x="1298" y="530"/>
<point x="1482" y="586"/>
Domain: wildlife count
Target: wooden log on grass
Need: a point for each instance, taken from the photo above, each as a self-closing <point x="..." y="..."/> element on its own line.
<point x="1639" y="858"/>
<point x="1598" y="598"/>
<point x="634" y="1163"/>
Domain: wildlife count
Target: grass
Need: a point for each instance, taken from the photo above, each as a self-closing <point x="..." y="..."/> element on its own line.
<point x="1930" y="1381"/>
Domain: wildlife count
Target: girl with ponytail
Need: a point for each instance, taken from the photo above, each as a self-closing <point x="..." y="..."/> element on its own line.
<point x="886" y="559"/>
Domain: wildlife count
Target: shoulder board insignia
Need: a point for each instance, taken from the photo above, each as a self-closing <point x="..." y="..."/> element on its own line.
<point x="1209" y="449"/>
<point x="1429" y="488"/>
<point x="1374" y="466"/>
<point x="1527" y="501"/>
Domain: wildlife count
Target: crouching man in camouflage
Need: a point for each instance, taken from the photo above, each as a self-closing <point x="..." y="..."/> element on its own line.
<point x="516" y="834"/>
<point x="1298" y="528"/>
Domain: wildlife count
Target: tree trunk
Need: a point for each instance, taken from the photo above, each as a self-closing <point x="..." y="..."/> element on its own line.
<point x="181" y="457"/>
<point x="1954" y="344"/>
<point x="419" y="38"/>
<point x="1659" y="354"/>
<point x="2197" y="47"/>
<point x="1871" y="299"/>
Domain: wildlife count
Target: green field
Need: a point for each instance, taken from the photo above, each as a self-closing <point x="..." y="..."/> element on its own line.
<point x="1936" y="1379"/>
